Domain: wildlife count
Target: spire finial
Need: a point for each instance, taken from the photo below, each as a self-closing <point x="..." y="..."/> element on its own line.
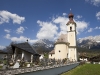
<point x="70" y="10"/>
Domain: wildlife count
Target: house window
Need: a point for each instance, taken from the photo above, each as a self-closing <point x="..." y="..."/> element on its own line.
<point x="70" y="28"/>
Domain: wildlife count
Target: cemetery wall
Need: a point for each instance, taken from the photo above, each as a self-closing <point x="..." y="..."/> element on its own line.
<point x="51" y="70"/>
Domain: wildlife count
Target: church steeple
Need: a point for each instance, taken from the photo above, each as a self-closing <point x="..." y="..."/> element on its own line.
<point x="71" y="34"/>
<point x="70" y="16"/>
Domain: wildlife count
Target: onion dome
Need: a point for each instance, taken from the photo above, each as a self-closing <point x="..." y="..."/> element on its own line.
<point x="70" y="15"/>
<point x="70" y="19"/>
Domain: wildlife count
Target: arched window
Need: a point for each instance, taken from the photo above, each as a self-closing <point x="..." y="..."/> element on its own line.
<point x="70" y="28"/>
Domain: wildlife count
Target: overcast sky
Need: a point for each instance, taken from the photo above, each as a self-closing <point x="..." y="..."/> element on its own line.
<point x="46" y="19"/>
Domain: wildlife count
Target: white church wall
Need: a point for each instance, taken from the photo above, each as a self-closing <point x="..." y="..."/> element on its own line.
<point x="72" y="54"/>
<point x="61" y="51"/>
<point x="71" y="25"/>
<point x="72" y="38"/>
<point x="51" y="56"/>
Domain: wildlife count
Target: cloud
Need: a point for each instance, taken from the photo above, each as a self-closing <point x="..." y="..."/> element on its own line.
<point x="81" y="26"/>
<point x="98" y="15"/>
<point x="19" y="39"/>
<point x="79" y="16"/>
<point x="94" y="2"/>
<point x="20" y="30"/>
<point x="64" y="14"/>
<point x="7" y="30"/>
<point x="2" y="47"/>
<point x="51" y="29"/>
<point x="62" y="21"/>
<point x="7" y="36"/>
<point x="57" y="26"/>
<point x="5" y="17"/>
<point x="47" y="31"/>
<point x="90" y="30"/>
<point x="97" y="28"/>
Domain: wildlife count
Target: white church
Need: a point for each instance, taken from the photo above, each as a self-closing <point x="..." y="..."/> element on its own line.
<point x="65" y="46"/>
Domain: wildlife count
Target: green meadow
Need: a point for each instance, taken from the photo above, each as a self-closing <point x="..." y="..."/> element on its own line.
<point x="86" y="69"/>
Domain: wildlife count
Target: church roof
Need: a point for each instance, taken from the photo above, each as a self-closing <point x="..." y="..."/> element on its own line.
<point x="62" y="38"/>
<point x="25" y="47"/>
<point x="52" y="52"/>
<point x="71" y="22"/>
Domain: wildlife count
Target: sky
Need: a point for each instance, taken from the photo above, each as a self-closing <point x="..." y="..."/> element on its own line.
<point x="46" y="19"/>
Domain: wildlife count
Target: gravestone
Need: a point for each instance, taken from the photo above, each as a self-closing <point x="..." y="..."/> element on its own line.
<point x="28" y="65"/>
<point x="16" y="65"/>
<point x="4" y="66"/>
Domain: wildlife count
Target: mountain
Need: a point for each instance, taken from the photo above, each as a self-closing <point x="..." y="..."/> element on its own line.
<point x="89" y="42"/>
<point x="43" y="45"/>
<point x="85" y="44"/>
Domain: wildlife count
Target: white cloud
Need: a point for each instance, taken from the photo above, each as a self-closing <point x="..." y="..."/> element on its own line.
<point x="5" y="17"/>
<point x="94" y="2"/>
<point x="98" y="15"/>
<point x="47" y="31"/>
<point x="7" y="30"/>
<point x="62" y="21"/>
<point x="64" y="14"/>
<point x="2" y="47"/>
<point x="97" y="27"/>
<point x="7" y="36"/>
<point x="81" y="26"/>
<point x="90" y="30"/>
<point x="57" y="23"/>
<point x="52" y="29"/>
<point x="20" y="30"/>
<point x="19" y="39"/>
<point x="79" y="16"/>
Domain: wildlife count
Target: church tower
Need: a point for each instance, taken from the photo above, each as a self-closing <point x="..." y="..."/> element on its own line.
<point x="71" y="34"/>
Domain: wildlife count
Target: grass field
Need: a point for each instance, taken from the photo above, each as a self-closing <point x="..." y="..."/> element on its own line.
<point x="86" y="69"/>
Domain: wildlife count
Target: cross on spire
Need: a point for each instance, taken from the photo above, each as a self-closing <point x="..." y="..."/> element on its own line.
<point x="70" y="9"/>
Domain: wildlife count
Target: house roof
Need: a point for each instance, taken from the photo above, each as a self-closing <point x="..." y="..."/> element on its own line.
<point x="95" y="58"/>
<point x="83" y="56"/>
<point x="25" y="47"/>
